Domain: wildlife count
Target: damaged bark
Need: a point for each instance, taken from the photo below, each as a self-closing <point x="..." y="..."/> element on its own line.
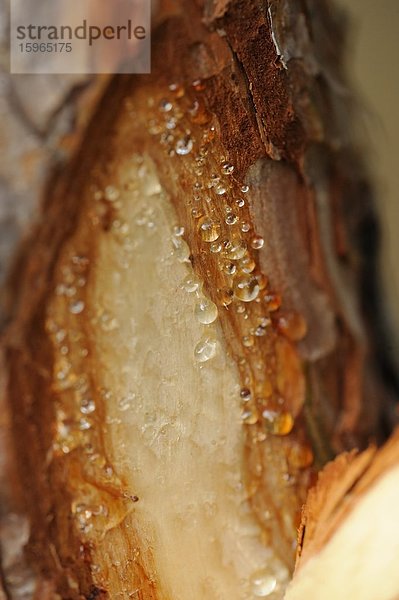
<point x="210" y="234"/>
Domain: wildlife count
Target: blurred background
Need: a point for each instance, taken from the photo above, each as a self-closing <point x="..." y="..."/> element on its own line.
<point x="373" y="44"/>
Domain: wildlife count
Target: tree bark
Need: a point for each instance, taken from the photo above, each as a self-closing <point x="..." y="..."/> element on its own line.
<point x="194" y="325"/>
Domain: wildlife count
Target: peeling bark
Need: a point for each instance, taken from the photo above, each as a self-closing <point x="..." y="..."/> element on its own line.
<point x="351" y="513"/>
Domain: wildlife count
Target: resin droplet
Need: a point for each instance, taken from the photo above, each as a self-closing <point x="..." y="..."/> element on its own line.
<point x="244" y="189"/>
<point x="278" y="423"/>
<point x="263" y="583"/>
<point x="199" y="114"/>
<point x="246" y="288"/>
<point x="111" y="193"/>
<point x="198" y="85"/>
<point x="300" y="456"/>
<point x="184" y="146"/>
<point x="264" y="323"/>
<point x="206" y="311"/>
<point x="236" y="250"/>
<point x="247" y="264"/>
<point x="229" y="267"/>
<point x="293" y="326"/>
<point x="231" y="219"/>
<point x="205" y="349"/>
<point x="260" y="331"/>
<point x="154" y="128"/>
<point x="190" y="284"/>
<point x="165" y="105"/>
<point x="77" y="307"/>
<point x="273" y="301"/>
<point x="249" y="416"/>
<point x="125" y="403"/>
<point x="214" y="180"/>
<point x="257" y="242"/>
<point x="209" y="230"/>
<point x="262" y="280"/>
<point x="197" y="213"/>
<point x="178" y="231"/>
<point x="181" y="250"/>
<point x="227" y="168"/>
<point x="220" y="190"/>
<point x="215" y="248"/>
<point x="248" y="341"/>
<point x="177" y="90"/>
<point x="245" y="395"/>
<point x="226" y="297"/>
<point x="84" y="424"/>
<point x="87" y="406"/>
<point x="171" y="123"/>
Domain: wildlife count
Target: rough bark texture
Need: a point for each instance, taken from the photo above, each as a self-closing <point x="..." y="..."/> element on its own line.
<point x="260" y="87"/>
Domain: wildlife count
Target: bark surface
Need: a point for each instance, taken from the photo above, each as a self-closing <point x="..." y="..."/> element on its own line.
<point x="240" y="138"/>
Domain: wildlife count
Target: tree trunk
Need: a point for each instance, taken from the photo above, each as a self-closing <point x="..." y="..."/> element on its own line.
<point x="194" y="321"/>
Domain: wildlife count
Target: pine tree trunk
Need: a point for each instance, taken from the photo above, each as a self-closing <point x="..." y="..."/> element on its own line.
<point x="194" y="322"/>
